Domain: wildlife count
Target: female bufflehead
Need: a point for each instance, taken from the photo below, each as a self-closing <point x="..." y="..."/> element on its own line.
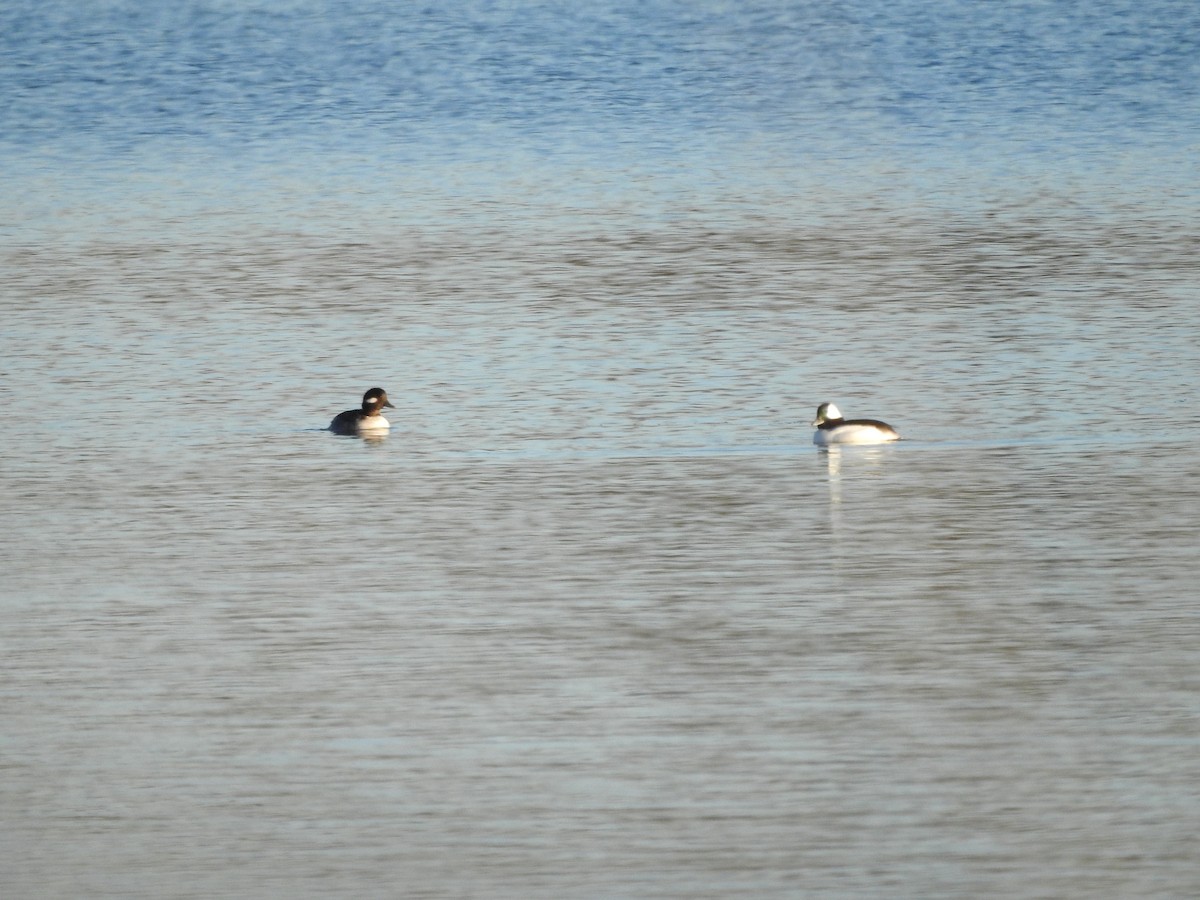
<point x="833" y="429"/>
<point x="353" y="421"/>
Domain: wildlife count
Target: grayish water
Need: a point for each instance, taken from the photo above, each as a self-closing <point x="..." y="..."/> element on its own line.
<point x="596" y="619"/>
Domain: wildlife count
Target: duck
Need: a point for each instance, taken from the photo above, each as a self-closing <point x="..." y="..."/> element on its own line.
<point x="833" y="429"/>
<point x="355" y="421"/>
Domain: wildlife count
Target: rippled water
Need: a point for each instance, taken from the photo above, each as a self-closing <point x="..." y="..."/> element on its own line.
<point x="596" y="619"/>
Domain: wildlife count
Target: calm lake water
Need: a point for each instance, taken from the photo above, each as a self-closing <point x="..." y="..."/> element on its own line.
<point x="596" y="619"/>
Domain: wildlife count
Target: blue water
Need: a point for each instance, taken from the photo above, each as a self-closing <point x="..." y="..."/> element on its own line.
<point x="316" y="116"/>
<point x="596" y="619"/>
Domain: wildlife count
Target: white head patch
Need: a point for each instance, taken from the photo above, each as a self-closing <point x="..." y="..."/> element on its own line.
<point x="832" y="412"/>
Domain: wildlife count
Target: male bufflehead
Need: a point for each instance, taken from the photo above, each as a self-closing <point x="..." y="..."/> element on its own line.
<point x="833" y="429"/>
<point x="353" y="421"/>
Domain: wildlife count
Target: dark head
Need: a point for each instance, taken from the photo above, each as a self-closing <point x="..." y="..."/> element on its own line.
<point x="374" y="399"/>
<point x="827" y="414"/>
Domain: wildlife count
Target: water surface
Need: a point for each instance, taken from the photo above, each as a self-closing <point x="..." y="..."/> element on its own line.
<point x="596" y="619"/>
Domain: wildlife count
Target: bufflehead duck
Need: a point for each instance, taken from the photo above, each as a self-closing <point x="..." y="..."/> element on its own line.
<point x="833" y="429"/>
<point x="353" y="421"/>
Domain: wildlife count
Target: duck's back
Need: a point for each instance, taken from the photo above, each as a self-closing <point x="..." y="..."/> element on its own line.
<point x="346" y="422"/>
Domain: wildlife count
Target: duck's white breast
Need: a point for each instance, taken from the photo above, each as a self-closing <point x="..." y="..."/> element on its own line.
<point x="854" y="434"/>
<point x="373" y="423"/>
